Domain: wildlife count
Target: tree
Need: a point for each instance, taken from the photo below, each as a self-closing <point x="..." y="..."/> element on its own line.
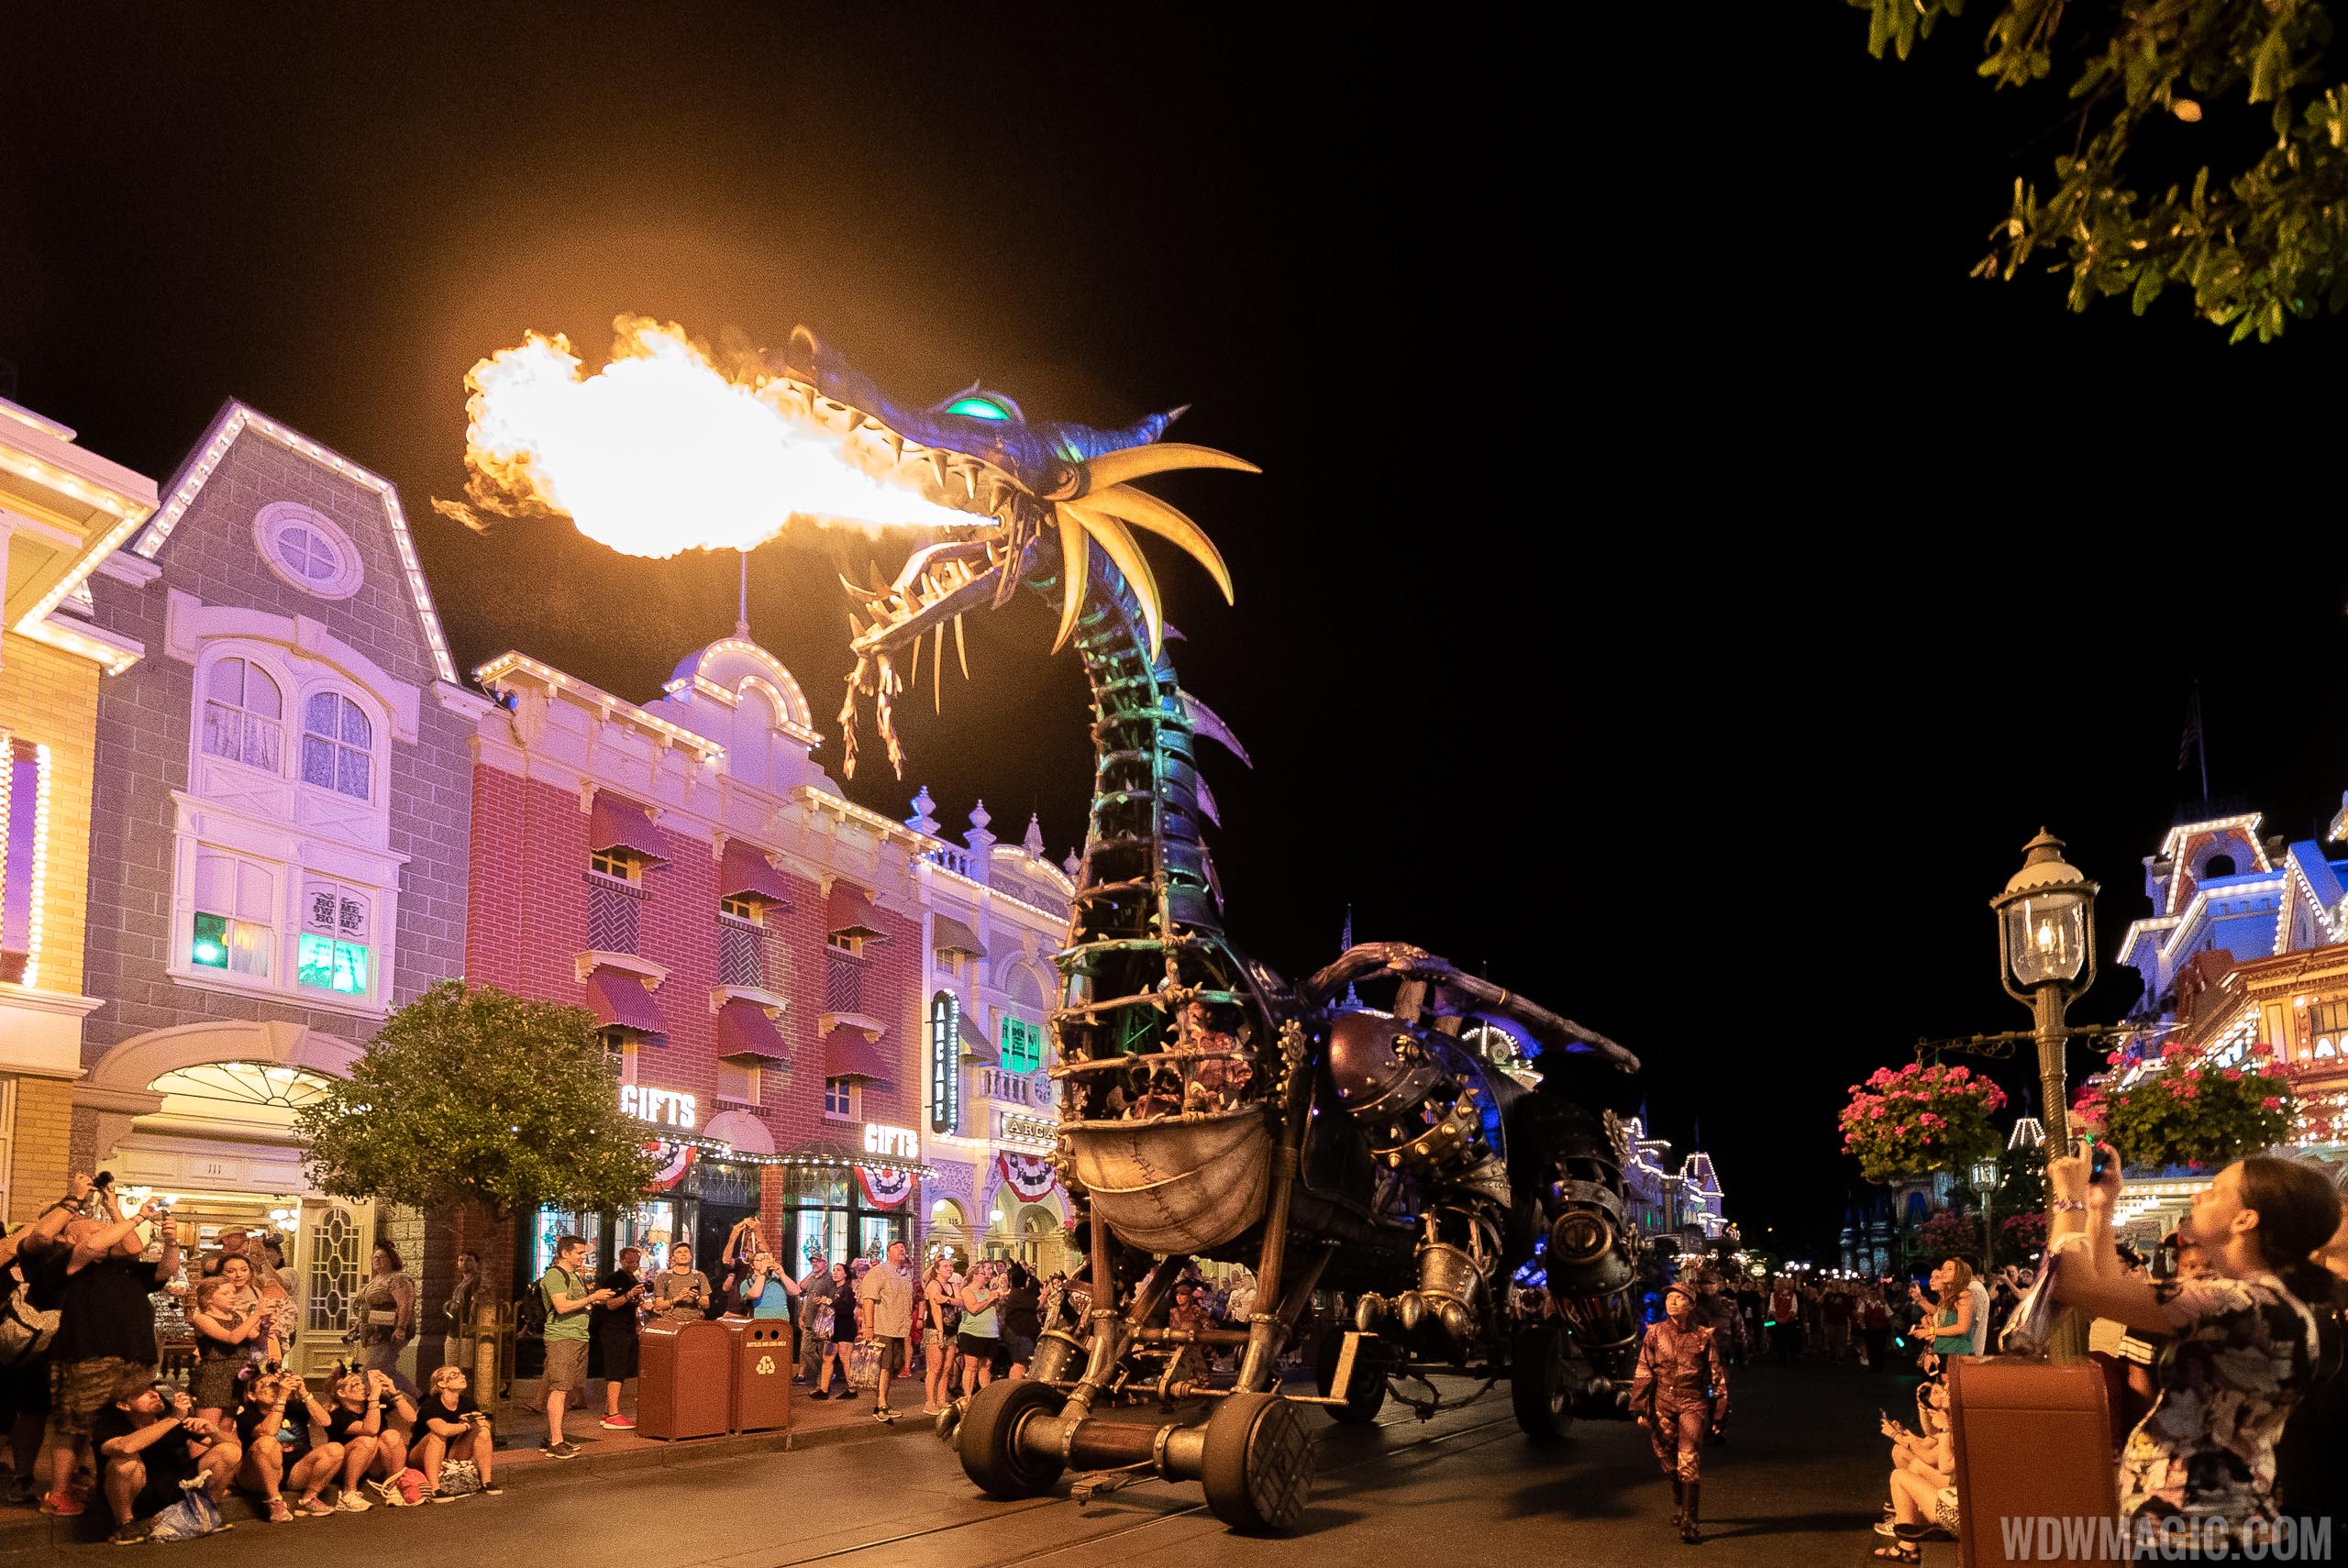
<point x="2225" y="102"/>
<point x="477" y="1095"/>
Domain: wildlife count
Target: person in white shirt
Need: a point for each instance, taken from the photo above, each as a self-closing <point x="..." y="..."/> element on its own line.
<point x="1980" y="1295"/>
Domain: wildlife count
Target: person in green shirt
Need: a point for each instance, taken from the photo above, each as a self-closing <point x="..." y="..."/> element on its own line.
<point x="567" y="1302"/>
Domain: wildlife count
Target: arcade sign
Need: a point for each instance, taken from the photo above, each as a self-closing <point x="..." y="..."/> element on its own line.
<point x="662" y="1108"/>
<point x="898" y="1142"/>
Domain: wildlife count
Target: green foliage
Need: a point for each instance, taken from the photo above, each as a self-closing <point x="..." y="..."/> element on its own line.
<point x="2259" y="236"/>
<point x="2022" y="1181"/>
<point x="478" y="1095"/>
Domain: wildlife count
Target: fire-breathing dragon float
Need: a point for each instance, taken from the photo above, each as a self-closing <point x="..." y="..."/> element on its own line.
<point x="1395" y="1158"/>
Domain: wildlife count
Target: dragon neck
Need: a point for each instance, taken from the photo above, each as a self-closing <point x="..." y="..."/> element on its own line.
<point x="1146" y="929"/>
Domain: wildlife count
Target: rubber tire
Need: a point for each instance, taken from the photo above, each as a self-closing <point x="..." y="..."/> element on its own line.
<point x="1256" y="1470"/>
<point x="987" y="1443"/>
<point x="1537" y="1384"/>
<point x="1370" y="1380"/>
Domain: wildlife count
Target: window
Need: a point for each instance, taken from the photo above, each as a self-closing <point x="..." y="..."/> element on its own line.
<point x="24" y="804"/>
<point x="839" y="1098"/>
<point x="619" y="1053"/>
<point x="235" y="914"/>
<point x="751" y="910"/>
<point x="845" y="941"/>
<point x="944" y="1063"/>
<point x="616" y="862"/>
<point x="2218" y="865"/>
<point x="2329" y="1017"/>
<point x="333" y="953"/>
<point x="337" y="747"/>
<point x="1023" y="1046"/>
<point x="306" y="550"/>
<point x="739" y="1081"/>
<point x="243" y="715"/>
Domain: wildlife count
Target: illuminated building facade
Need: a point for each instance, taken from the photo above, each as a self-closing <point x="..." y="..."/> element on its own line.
<point x="64" y="514"/>
<point x="1663" y="1202"/>
<point x="2247" y="947"/>
<point x="280" y="832"/>
<point x="778" y="973"/>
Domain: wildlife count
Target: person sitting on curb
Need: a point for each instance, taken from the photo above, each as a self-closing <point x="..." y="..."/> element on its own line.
<point x="279" y="1428"/>
<point x="452" y="1426"/>
<point x="150" y="1450"/>
<point x="371" y="1446"/>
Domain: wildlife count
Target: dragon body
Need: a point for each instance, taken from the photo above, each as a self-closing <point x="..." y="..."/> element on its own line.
<point x="1208" y="1108"/>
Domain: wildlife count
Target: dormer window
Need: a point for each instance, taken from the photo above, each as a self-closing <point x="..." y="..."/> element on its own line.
<point x="337" y="747"/>
<point x="243" y="713"/>
<point x="2218" y="865"/>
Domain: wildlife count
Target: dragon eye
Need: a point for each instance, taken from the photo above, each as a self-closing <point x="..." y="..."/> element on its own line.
<point x="979" y="408"/>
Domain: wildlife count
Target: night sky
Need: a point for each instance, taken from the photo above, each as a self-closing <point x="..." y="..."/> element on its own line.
<point x="1674" y="585"/>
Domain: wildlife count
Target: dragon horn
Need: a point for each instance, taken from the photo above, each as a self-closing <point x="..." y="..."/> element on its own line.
<point x="1145" y="511"/>
<point x="1118" y="542"/>
<point x="1162" y="456"/>
<point x="1076" y="565"/>
<point x="961" y="654"/>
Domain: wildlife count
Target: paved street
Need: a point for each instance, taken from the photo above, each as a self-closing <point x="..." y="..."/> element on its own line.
<point x="1797" y="1485"/>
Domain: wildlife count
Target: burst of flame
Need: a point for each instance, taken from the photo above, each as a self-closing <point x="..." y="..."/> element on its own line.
<point x="659" y="451"/>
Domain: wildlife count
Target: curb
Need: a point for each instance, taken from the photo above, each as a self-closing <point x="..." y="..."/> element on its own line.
<point x="46" y="1535"/>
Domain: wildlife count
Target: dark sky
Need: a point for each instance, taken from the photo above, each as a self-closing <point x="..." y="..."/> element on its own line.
<point x="1673" y="583"/>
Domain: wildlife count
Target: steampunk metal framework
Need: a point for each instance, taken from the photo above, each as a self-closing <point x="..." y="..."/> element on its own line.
<point x="1208" y="1108"/>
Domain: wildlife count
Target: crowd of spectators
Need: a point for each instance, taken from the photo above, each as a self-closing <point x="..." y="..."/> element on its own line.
<point x="91" y="1423"/>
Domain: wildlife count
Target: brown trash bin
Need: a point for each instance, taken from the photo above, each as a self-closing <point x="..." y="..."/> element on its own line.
<point x="760" y="1381"/>
<point x="683" y="1388"/>
<point x="2033" y="1441"/>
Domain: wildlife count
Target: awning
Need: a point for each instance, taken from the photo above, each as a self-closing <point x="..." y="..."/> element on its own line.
<point x="848" y="1055"/>
<point x="849" y="912"/>
<point x="616" y="823"/>
<point x="744" y="1031"/>
<point x="747" y="873"/>
<point x="740" y="1129"/>
<point x="619" y="1000"/>
<point x="950" y="936"/>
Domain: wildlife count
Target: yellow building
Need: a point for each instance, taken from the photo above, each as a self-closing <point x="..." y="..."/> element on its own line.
<point x="63" y="513"/>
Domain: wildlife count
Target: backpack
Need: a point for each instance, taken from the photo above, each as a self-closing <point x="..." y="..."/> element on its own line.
<point x="24" y="1331"/>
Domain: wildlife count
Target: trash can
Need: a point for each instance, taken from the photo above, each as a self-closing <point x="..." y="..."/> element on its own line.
<point x="762" y="1378"/>
<point x="683" y="1389"/>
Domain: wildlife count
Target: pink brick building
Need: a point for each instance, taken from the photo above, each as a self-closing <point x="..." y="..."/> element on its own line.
<point x="803" y="999"/>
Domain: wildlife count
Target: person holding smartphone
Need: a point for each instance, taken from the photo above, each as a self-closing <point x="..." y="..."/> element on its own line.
<point x="450" y="1425"/>
<point x="150" y="1449"/>
<point x="225" y="1330"/>
<point x="568" y="1303"/>
<point x="105" y="1326"/>
<point x="371" y="1447"/>
<point x="281" y="1427"/>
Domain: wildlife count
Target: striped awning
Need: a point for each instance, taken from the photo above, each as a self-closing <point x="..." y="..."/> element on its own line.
<point x="745" y="872"/>
<point x="950" y="936"/>
<point x="744" y="1033"/>
<point x="848" y="1055"/>
<point x="616" y="822"/>
<point x="619" y="1000"/>
<point x="849" y="912"/>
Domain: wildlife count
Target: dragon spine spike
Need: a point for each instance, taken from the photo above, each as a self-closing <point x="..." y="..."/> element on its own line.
<point x="1163" y="457"/>
<point x="1117" y="542"/>
<point x="1144" y="511"/>
<point x="1076" y="572"/>
<point x="1207" y="803"/>
<point x="1208" y="723"/>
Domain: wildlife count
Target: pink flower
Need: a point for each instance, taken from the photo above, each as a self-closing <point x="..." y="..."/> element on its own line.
<point x="2272" y="1102"/>
<point x="1876" y="1114"/>
<point x="1899" y="1129"/>
<point x="2186" y="1091"/>
<point x="2233" y="1074"/>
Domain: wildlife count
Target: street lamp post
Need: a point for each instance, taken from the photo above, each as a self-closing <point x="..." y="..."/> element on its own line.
<point x="2046" y="959"/>
<point x="1986" y="1176"/>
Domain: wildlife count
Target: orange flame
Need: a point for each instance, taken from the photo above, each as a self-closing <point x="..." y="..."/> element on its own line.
<point x="659" y="451"/>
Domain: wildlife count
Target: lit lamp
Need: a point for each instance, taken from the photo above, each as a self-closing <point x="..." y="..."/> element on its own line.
<point x="1986" y="1177"/>
<point x="2046" y="958"/>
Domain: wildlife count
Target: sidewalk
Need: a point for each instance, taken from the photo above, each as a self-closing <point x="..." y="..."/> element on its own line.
<point x="814" y="1423"/>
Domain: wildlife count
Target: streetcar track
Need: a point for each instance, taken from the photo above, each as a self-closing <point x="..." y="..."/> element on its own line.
<point x="1044" y="1503"/>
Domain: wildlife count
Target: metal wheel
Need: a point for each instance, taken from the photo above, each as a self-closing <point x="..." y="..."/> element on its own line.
<point x="988" y="1440"/>
<point x="1538" y="1385"/>
<point x="1257" y="1469"/>
<point x="1368" y="1394"/>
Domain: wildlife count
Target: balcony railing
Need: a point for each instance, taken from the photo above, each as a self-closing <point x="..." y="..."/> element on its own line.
<point x="614" y="912"/>
<point x="741" y="954"/>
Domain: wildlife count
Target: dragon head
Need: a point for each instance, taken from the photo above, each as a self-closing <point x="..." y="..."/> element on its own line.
<point x="1041" y="497"/>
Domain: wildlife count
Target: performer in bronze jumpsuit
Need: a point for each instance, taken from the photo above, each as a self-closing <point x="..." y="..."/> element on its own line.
<point x="1680" y="1394"/>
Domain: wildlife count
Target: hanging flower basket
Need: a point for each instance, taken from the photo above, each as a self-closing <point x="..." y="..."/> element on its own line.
<point x="1947" y="1232"/>
<point x="2189" y="1113"/>
<point x="2023" y="1235"/>
<point x="1918" y="1120"/>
